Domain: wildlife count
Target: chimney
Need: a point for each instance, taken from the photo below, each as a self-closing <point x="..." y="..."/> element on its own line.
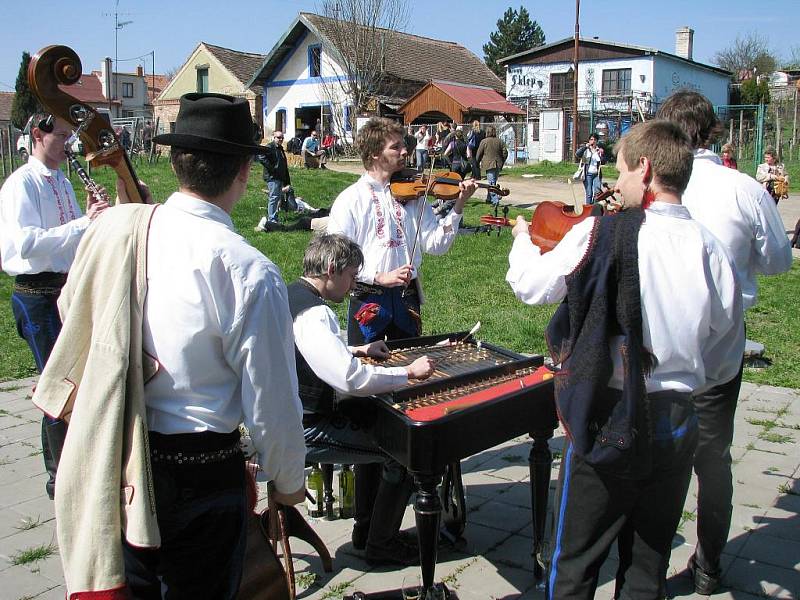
<point x="139" y="71"/>
<point x="105" y="77"/>
<point x="684" y="40"/>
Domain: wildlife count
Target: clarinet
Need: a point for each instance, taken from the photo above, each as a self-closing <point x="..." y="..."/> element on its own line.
<point x="90" y="183"/>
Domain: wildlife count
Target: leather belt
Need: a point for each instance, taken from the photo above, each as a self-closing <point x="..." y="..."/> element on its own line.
<point x="40" y="284"/>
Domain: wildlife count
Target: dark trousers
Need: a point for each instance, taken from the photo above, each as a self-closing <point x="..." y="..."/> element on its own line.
<point x="38" y="323"/>
<point x="202" y="512"/>
<point x="594" y="507"/>
<point x="712" y="463"/>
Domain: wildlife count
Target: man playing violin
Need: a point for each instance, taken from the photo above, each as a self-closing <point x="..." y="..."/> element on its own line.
<point x="632" y="354"/>
<point x="40" y="227"/>
<point x="385" y="303"/>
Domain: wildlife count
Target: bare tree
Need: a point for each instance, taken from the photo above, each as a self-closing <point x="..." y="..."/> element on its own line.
<point x="356" y="37"/>
<point x="793" y="61"/>
<point x="746" y="53"/>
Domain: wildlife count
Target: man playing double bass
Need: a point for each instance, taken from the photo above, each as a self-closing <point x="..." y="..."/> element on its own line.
<point x="41" y="225"/>
<point x="386" y="301"/>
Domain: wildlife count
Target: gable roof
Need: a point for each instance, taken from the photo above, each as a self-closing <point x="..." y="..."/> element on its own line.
<point x="630" y="49"/>
<point x="471" y="98"/>
<point x="6" y="100"/>
<point x="242" y="65"/>
<point x="155" y="85"/>
<point x="408" y="57"/>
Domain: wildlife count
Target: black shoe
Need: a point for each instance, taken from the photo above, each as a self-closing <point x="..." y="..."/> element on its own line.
<point x="705" y="582"/>
<point x="395" y="553"/>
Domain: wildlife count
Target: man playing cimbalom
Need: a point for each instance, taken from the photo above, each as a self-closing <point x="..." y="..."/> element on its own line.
<point x="743" y="216"/>
<point x="279" y="184"/>
<point x="340" y="432"/>
<point x="41" y="225"/>
<point x="206" y="335"/>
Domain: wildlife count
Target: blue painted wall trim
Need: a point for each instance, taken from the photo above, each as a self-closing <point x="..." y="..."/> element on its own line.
<point x="309" y="81"/>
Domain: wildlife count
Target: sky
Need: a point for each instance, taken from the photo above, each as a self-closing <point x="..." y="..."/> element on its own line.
<point x="170" y="29"/>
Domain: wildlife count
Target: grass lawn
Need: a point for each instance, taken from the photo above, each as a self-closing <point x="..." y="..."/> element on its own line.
<point x="463" y="286"/>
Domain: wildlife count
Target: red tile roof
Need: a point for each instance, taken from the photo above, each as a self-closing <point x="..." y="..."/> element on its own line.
<point x="478" y="98"/>
<point x="87" y="89"/>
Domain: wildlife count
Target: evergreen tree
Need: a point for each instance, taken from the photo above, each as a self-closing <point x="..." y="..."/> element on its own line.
<point x="515" y="33"/>
<point x="25" y="103"/>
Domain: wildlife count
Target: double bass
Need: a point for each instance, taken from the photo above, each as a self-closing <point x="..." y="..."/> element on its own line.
<point x="56" y="66"/>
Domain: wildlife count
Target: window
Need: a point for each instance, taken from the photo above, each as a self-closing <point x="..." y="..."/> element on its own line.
<point x="127" y="90"/>
<point x="616" y="82"/>
<point x="202" y="79"/>
<point x="127" y="114"/>
<point x="314" y="60"/>
<point x="561" y="85"/>
<point x="280" y="120"/>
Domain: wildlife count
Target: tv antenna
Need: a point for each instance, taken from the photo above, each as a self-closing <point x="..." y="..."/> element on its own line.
<point x="117" y="26"/>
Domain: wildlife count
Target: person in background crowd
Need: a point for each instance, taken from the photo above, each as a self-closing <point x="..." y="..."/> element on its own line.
<point x="592" y="158"/>
<point x="313" y="154"/>
<point x="279" y="184"/>
<point x="491" y="156"/>
<point x="423" y="143"/>
<point x="474" y="140"/>
<point x="772" y="172"/>
<point x="728" y="160"/>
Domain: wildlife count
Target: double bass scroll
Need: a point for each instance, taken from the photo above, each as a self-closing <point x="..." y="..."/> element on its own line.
<point x="53" y="66"/>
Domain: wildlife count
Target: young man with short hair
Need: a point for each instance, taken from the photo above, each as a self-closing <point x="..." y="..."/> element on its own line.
<point x="313" y="154"/>
<point x="632" y="353"/>
<point x="743" y="217"/>
<point x="41" y="225"/>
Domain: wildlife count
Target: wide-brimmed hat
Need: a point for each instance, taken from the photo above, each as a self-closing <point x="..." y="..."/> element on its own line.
<point x="214" y="123"/>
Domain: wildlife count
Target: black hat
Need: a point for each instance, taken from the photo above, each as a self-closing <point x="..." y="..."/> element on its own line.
<point x="213" y="123"/>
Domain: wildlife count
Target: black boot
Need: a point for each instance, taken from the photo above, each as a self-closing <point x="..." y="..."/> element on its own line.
<point x="368" y="479"/>
<point x="384" y="546"/>
<point x="53" y="435"/>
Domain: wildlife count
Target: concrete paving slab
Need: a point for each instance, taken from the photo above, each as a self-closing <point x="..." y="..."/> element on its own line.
<point x="771" y="550"/>
<point x="762" y="579"/>
<point x="500" y="516"/>
<point x="18" y="582"/>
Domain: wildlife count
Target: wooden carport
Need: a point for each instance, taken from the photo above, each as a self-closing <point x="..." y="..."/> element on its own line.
<point x="460" y="102"/>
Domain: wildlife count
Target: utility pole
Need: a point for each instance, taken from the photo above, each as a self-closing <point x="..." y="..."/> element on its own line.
<point x="575" y="78"/>
<point x="117" y="26"/>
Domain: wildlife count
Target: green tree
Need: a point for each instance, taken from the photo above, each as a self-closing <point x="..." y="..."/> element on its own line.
<point x="515" y="33"/>
<point x="25" y="103"/>
<point x="755" y="93"/>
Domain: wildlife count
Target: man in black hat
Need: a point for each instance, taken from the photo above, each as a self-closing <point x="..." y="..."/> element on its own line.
<point x="217" y="321"/>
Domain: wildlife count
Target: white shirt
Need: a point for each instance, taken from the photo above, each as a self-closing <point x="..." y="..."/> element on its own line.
<point x="691" y="304"/>
<point x="217" y="320"/>
<point x="41" y="223"/>
<point x="367" y="213"/>
<point x="743" y="216"/>
<point x="593" y="160"/>
<point x="423" y="140"/>
<point x="317" y="336"/>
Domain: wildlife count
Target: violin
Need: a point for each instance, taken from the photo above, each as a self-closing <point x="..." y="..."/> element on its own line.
<point x="55" y="66"/>
<point x="407" y="185"/>
<point x="552" y="220"/>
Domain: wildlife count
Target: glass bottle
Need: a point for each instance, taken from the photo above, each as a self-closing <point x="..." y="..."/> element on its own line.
<point x="347" y="492"/>
<point x="314" y="486"/>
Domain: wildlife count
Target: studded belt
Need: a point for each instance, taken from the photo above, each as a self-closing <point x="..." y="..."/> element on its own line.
<point x="193" y="458"/>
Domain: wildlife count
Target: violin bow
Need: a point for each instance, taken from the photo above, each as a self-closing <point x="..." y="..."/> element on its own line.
<point x="420" y="210"/>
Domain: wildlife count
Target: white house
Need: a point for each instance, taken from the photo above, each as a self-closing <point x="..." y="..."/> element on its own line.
<point x="299" y="77"/>
<point x="618" y="84"/>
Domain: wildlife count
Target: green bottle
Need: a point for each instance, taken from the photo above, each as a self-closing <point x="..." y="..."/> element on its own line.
<point x="314" y="486"/>
<point x="347" y="492"/>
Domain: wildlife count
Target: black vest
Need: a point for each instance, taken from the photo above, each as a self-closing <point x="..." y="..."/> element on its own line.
<point x="316" y="395"/>
<point x="610" y="429"/>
